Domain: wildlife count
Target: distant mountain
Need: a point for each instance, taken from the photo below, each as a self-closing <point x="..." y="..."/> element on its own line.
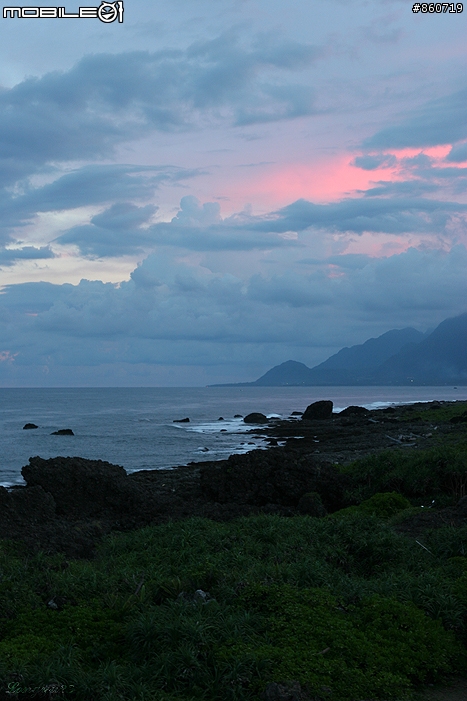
<point x="288" y="373"/>
<point x="398" y="357"/>
<point x="357" y="364"/>
<point x="441" y="358"/>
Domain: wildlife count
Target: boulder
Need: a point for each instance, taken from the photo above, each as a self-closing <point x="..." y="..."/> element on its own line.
<point x="19" y="506"/>
<point x="63" y="432"/>
<point x="186" y="420"/>
<point x="255" y="418"/>
<point x="354" y="411"/>
<point x="84" y="488"/>
<point x="26" y="427"/>
<point x="318" y="411"/>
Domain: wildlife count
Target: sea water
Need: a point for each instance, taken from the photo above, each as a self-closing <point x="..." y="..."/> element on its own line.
<point x="134" y="427"/>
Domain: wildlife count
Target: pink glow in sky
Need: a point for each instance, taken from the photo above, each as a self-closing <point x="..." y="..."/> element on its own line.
<point x="325" y="180"/>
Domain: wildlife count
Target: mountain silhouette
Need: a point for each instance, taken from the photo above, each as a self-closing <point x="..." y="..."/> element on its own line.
<point x="397" y="357"/>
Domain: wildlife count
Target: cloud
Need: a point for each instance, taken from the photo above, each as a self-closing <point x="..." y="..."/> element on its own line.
<point x="123" y="229"/>
<point x="291" y="290"/>
<point x="358" y="215"/>
<point x="458" y="154"/>
<point x="390" y="208"/>
<point x="372" y="162"/>
<point x="174" y="313"/>
<point x="440" y="121"/>
<point x="9" y="256"/>
<point x="90" y="185"/>
<point x="85" y="112"/>
<point x="117" y="230"/>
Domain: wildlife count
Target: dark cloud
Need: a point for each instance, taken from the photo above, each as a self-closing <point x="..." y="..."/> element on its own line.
<point x="169" y="302"/>
<point x="105" y="99"/>
<point x="9" y="256"/>
<point x="391" y="208"/>
<point x="376" y="214"/>
<point x="198" y="227"/>
<point x="405" y="188"/>
<point x="116" y="231"/>
<point x="89" y="185"/>
<point x="441" y="121"/>
<point x="291" y="290"/>
<point x="458" y="154"/>
<point x="372" y="162"/>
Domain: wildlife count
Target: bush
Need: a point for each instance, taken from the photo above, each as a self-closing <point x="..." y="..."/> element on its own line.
<point x="438" y="473"/>
<point x="376" y="649"/>
<point x="382" y="505"/>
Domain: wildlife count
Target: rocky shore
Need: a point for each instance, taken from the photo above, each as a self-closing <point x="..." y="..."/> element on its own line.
<point x="69" y="503"/>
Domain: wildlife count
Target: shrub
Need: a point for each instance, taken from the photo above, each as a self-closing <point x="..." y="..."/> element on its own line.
<point x="377" y="649"/>
<point x="383" y="505"/>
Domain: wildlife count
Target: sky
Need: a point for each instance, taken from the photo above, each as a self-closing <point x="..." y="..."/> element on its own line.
<point x="210" y="188"/>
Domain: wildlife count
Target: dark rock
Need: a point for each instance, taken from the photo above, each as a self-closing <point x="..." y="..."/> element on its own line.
<point x="286" y="691"/>
<point x="83" y="488"/>
<point x="354" y="411"/>
<point x="311" y="505"/>
<point x="297" y="413"/>
<point x="19" y="506"/>
<point x="28" y="426"/>
<point x="221" y="418"/>
<point x="318" y="411"/>
<point x="255" y="418"/>
<point x="275" y="476"/>
<point x="181" y="421"/>
<point x="389" y="410"/>
<point x="238" y="416"/>
<point x="223" y="430"/>
<point x="63" y="432"/>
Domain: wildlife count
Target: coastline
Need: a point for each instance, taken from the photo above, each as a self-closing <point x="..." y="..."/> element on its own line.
<point x="385" y="490"/>
<point x="68" y="504"/>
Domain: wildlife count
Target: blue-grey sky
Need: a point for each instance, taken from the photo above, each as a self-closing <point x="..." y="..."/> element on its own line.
<point x="211" y="188"/>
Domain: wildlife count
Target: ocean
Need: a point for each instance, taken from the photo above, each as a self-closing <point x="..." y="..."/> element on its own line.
<point x="134" y="427"/>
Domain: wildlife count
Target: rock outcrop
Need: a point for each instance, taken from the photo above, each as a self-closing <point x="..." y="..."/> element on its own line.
<point x="354" y="411"/>
<point x="84" y="488"/>
<point x="255" y="418"/>
<point x="274" y="476"/>
<point x="318" y="411"/>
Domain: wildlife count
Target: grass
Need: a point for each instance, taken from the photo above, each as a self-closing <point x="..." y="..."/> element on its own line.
<point x="388" y="614"/>
<point x="344" y="604"/>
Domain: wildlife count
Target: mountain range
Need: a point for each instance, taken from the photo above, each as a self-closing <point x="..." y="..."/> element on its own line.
<point x="398" y="357"/>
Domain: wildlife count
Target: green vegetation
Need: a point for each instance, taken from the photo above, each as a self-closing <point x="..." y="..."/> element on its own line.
<point x="438" y="474"/>
<point x="346" y="605"/>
